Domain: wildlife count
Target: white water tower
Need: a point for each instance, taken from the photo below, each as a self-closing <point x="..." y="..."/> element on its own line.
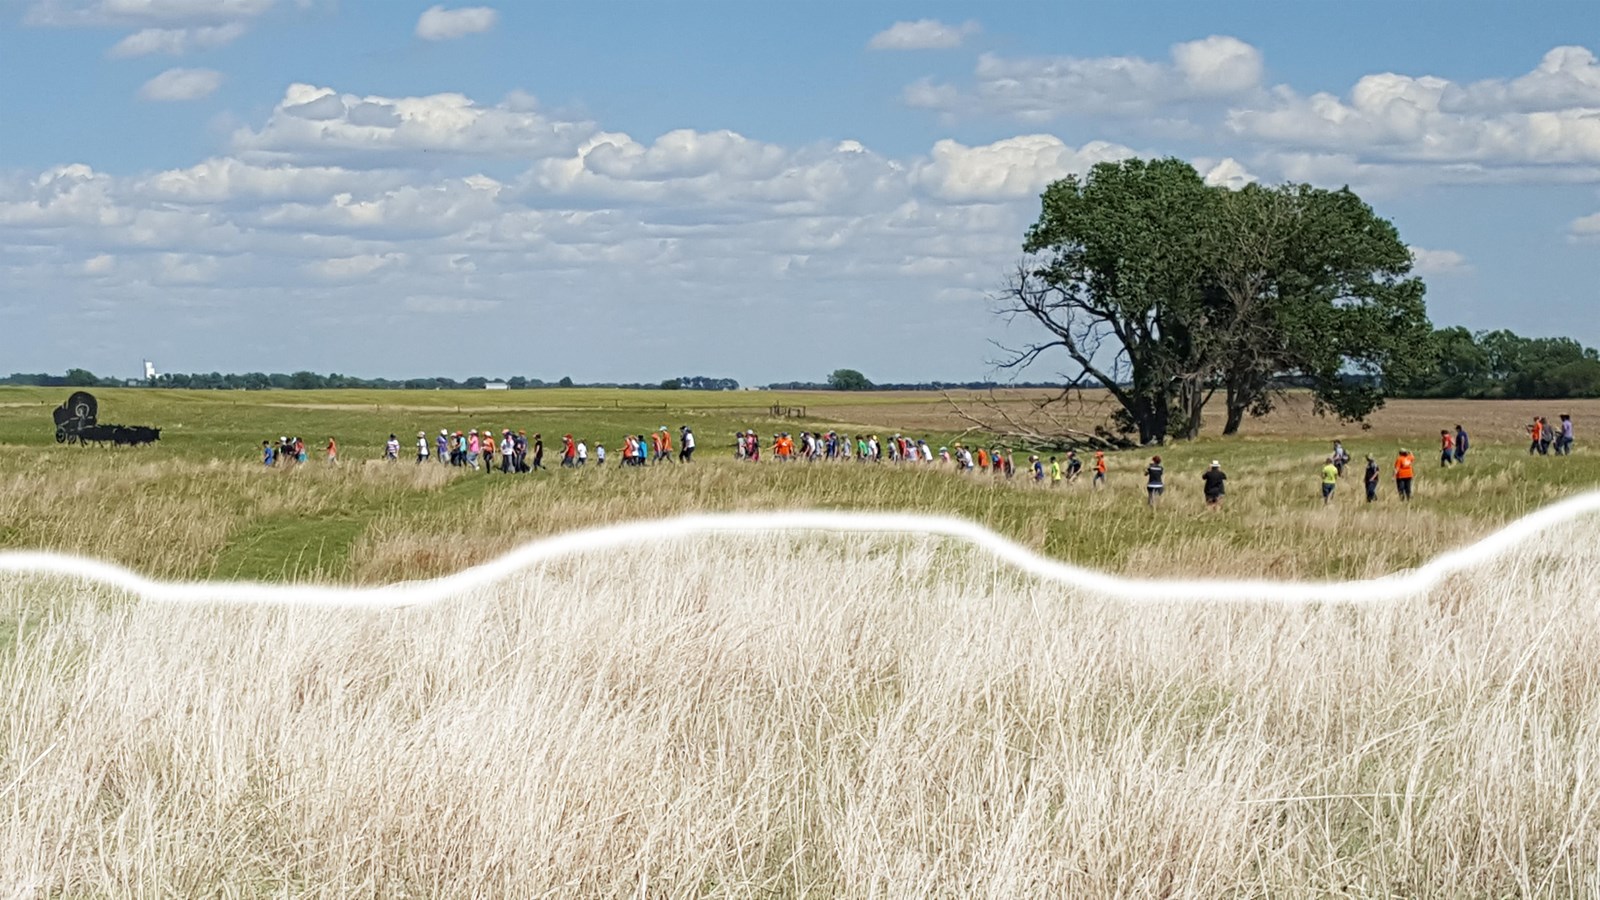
<point x="149" y="370"/>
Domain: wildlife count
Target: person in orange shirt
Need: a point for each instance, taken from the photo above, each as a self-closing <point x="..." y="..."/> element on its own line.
<point x="1536" y="432"/>
<point x="1404" y="470"/>
<point x="488" y="451"/>
<point x="665" y="445"/>
<point x="333" y="452"/>
<point x="1099" y="468"/>
<point x="983" y="459"/>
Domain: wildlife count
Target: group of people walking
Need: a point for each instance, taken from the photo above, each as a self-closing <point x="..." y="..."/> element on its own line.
<point x="1543" y="438"/>
<point x="292" y="451"/>
<point x="516" y="452"/>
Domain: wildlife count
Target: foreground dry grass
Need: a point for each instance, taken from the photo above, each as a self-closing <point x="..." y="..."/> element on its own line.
<point x="810" y="717"/>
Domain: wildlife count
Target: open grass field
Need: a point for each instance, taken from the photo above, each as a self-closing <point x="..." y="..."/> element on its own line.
<point x="809" y="716"/>
<point x="200" y="505"/>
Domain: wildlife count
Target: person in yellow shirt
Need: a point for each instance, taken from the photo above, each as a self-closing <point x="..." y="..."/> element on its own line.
<point x="1330" y="478"/>
<point x="1055" y="472"/>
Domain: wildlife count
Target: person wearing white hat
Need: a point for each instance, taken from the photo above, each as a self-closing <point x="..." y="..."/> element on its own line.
<point x="422" y="446"/>
<point x="1214" y="479"/>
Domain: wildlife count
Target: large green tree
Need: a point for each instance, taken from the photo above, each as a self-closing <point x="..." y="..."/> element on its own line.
<point x="1314" y="290"/>
<point x="1166" y="290"/>
<point x="848" y="380"/>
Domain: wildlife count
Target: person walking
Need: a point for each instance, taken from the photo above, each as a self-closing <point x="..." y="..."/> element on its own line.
<point x="1330" y="479"/>
<point x="1547" y="435"/>
<point x="1535" y="435"/>
<point x="686" y="444"/>
<point x="333" y="452"/>
<point x="1461" y="444"/>
<point x="1404" y="471"/>
<point x="443" y="444"/>
<point x="422" y="447"/>
<point x="1099" y="469"/>
<point x="1370" y="478"/>
<point x="1447" y="449"/>
<point x="268" y="455"/>
<point x="1214" y="480"/>
<point x="391" y="449"/>
<point x="1074" y="466"/>
<point x="1565" y="439"/>
<point x="1055" y="473"/>
<point x="1341" y="457"/>
<point x="1155" y="484"/>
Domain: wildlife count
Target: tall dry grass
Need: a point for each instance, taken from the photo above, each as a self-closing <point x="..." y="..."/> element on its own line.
<point x="809" y="716"/>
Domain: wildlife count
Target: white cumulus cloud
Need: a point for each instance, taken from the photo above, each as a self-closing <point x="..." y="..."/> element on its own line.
<point x="1009" y="169"/>
<point x="1550" y="117"/>
<point x="923" y="34"/>
<point x="181" y="84"/>
<point x="1438" y="262"/>
<point x="440" y="24"/>
<point x="1043" y="88"/>
<point x="175" y="41"/>
<point x="313" y="121"/>
<point x="139" y="13"/>
<point x="1586" y="227"/>
<point x="1229" y="173"/>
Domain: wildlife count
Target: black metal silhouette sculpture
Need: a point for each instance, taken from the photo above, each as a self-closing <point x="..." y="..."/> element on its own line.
<point x="76" y="424"/>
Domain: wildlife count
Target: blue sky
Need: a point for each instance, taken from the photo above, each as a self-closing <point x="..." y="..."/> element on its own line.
<point x="768" y="191"/>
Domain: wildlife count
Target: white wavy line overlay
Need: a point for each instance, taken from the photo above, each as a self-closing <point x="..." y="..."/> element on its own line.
<point x="1373" y="590"/>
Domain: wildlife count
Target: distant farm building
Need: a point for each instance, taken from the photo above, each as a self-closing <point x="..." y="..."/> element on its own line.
<point x="496" y="386"/>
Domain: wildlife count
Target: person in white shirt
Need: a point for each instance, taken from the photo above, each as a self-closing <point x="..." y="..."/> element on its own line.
<point x="583" y="453"/>
<point x="685" y="445"/>
<point x="422" y="446"/>
<point x="599" y="455"/>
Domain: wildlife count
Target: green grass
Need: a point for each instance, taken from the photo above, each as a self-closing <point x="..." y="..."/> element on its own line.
<point x="200" y="505"/>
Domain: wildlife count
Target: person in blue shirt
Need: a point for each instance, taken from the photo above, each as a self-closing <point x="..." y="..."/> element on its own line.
<point x="266" y="453"/>
<point x="1461" y="445"/>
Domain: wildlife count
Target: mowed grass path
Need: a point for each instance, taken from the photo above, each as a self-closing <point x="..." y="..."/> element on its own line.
<point x="200" y="505"/>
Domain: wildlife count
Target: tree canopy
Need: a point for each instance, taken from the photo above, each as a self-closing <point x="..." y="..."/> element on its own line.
<point x="1166" y="291"/>
<point x="848" y="380"/>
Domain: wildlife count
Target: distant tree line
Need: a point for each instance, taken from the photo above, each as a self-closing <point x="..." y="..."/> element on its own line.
<point x="1462" y="364"/>
<point x="312" y="381"/>
<point x="1490" y="364"/>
